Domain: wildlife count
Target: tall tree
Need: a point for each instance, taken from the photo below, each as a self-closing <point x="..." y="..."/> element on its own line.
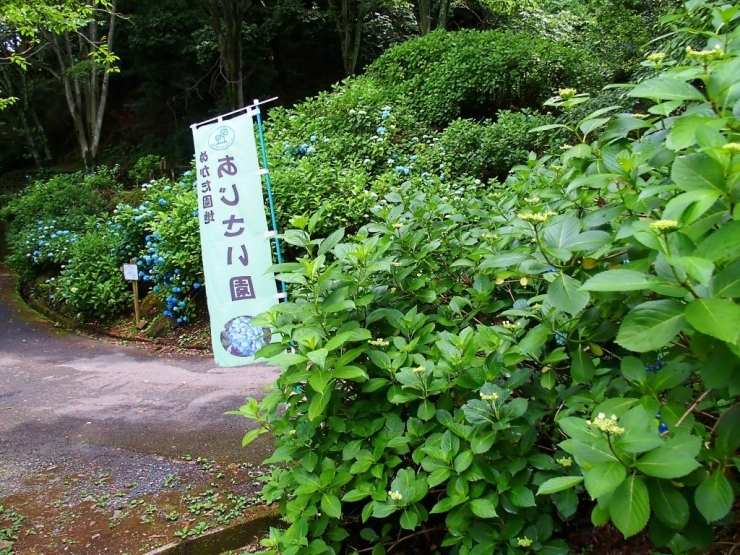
<point x="83" y="63"/>
<point x="80" y="35"/>
<point x="432" y="15"/>
<point x="15" y="82"/>
<point x="22" y="20"/>
<point x="349" y="16"/>
<point x="227" y="18"/>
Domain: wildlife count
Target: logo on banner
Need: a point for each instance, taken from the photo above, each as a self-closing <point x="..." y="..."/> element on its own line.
<point x="222" y="138"/>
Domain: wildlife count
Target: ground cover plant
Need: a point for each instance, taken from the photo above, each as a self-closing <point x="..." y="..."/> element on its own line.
<point x="473" y="369"/>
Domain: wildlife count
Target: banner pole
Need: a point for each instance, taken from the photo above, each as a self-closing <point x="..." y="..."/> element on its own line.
<point x="268" y="183"/>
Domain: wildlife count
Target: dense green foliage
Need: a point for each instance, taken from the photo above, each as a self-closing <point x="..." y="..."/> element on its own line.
<point x="169" y="58"/>
<point x="68" y="197"/>
<point x="343" y="150"/>
<point x="449" y="75"/>
<point x="479" y="367"/>
<point x="78" y="242"/>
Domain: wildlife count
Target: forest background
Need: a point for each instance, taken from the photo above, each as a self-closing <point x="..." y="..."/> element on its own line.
<point x="130" y="81"/>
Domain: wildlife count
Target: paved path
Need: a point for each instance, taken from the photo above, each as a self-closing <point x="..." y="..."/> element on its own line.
<point x="69" y="399"/>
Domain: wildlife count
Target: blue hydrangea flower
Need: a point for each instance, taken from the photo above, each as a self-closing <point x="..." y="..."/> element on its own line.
<point x="380" y="130"/>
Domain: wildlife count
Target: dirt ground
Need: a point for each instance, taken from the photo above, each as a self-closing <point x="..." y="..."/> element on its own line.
<point x="110" y="446"/>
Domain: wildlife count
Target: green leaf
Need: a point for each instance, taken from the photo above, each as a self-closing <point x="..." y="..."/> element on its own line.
<point x="318" y="357"/>
<point x="548" y="127"/>
<point x="722" y="86"/>
<point x="483" y="442"/>
<point x="319" y="402"/>
<point x="727" y="441"/>
<point x="689" y="207"/>
<point x="357" y="334"/>
<point x="604" y="478"/>
<point x="714" y="496"/>
<point x="251" y="435"/>
<point x="633" y="369"/>
<point x="668" y="504"/>
<point x="285" y="360"/>
<point x="331" y="241"/>
<point x="331" y="505"/>
<point x="727" y="282"/>
<point x="561" y="483"/>
<point x="651" y="325"/>
<point x="548" y="379"/>
<point x="615" y="405"/>
<point x="446" y="504"/>
<point x="354" y="373"/>
<point x="698" y="171"/>
<point x="698" y="268"/>
<point x="561" y="231"/>
<point x="426" y="410"/>
<point x="438" y="476"/>
<point x="638" y="441"/>
<point x="531" y="343"/>
<point x="565" y="294"/>
<point x="354" y="495"/>
<point x="521" y="496"/>
<point x="589" y="125"/>
<point x="409" y="520"/>
<point x="596" y="451"/>
<point x="483" y="508"/>
<point x="666" y="463"/>
<point x="665" y="88"/>
<point x="719" y="318"/>
<point x="683" y="131"/>
<point x="721" y="244"/>
<point x="629" y="506"/>
<point x="620" y="280"/>
<point x="582" y="367"/>
<point x="319" y="380"/>
<point x="427" y="296"/>
<point x="504" y="260"/>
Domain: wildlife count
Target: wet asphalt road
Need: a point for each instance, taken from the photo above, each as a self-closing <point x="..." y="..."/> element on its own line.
<point x="70" y="400"/>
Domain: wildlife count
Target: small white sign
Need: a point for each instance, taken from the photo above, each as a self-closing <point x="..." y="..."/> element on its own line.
<point x="130" y="272"/>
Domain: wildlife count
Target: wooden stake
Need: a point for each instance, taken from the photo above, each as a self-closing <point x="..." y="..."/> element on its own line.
<point x="135" y="285"/>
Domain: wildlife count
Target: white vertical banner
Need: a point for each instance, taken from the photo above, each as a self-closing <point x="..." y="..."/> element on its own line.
<point x="234" y="237"/>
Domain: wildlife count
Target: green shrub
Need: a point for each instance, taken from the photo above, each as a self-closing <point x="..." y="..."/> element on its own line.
<point x="344" y="151"/>
<point x="346" y="160"/>
<point x="490" y="149"/>
<point x="481" y="368"/>
<point x="611" y="32"/>
<point x="69" y="199"/>
<point x="160" y="235"/>
<point x="91" y="285"/>
<point x="447" y="75"/>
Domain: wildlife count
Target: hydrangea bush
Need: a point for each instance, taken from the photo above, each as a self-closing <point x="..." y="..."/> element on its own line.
<point x="473" y="371"/>
<point x="84" y="264"/>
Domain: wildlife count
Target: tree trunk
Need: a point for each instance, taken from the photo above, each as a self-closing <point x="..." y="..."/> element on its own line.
<point x="227" y="20"/>
<point x="425" y="17"/>
<point x="7" y="83"/>
<point x="444" y="8"/>
<point x="41" y="133"/>
<point x="73" y="97"/>
<point x="349" y="16"/>
<point x="85" y="91"/>
<point x="97" y="123"/>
